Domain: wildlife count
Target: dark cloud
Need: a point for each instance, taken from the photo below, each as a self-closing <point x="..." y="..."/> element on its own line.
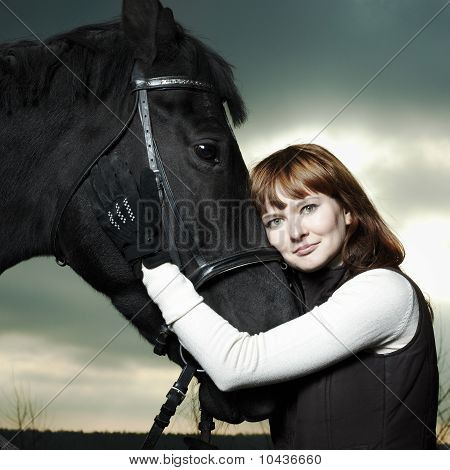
<point x="293" y="54"/>
<point x="52" y="16"/>
<point x="300" y="61"/>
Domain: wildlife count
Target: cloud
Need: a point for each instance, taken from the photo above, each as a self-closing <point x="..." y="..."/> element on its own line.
<point x="41" y="299"/>
<point x="411" y="179"/>
<point x="407" y="174"/>
<point x="103" y="396"/>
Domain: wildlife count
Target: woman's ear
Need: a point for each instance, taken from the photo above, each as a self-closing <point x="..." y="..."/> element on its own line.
<point x="348" y="217"/>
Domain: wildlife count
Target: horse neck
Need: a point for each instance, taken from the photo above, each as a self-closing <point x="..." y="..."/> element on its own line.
<point x="22" y="232"/>
<point x="24" y="193"/>
<point x="38" y="147"/>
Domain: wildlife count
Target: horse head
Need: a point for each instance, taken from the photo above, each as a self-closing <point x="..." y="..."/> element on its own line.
<point x="73" y="100"/>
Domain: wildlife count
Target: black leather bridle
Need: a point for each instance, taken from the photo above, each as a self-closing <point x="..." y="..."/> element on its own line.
<point x="204" y="270"/>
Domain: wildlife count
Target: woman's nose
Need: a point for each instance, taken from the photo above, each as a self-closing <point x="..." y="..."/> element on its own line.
<point x="297" y="228"/>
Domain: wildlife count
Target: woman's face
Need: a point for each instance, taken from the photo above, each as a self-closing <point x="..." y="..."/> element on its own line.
<point x="309" y="233"/>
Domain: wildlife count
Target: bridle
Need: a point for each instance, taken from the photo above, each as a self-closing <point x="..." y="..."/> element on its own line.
<point x="204" y="270"/>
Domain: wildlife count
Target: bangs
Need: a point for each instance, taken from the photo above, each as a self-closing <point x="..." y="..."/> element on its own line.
<point x="293" y="172"/>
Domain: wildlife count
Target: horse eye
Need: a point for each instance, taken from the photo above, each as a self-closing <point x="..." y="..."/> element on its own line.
<point x="206" y="151"/>
<point x="11" y="59"/>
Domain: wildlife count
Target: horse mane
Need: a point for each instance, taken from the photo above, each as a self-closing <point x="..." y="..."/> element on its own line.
<point x="28" y="67"/>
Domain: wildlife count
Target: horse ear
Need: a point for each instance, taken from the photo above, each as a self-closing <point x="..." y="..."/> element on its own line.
<point x="148" y="26"/>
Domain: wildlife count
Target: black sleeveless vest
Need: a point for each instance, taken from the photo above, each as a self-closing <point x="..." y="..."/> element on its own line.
<point x="370" y="401"/>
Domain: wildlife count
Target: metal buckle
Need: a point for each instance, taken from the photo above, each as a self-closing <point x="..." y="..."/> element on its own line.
<point x="184" y="359"/>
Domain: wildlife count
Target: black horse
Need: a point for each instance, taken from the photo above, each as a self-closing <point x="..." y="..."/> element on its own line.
<point x="60" y="106"/>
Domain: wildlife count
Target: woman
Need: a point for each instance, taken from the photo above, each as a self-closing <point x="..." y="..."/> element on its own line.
<point x="360" y="358"/>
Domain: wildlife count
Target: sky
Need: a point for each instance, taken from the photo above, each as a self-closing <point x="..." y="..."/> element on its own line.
<point x="368" y="79"/>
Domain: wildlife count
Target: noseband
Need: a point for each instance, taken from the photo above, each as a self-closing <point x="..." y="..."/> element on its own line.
<point x="204" y="270"/>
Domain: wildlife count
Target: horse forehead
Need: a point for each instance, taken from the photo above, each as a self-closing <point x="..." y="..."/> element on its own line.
<point x="189" y="106"/>
<point x="176" y="97"/>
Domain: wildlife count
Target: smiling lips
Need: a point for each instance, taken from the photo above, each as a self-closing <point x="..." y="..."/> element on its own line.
<point x="306" y="249"/>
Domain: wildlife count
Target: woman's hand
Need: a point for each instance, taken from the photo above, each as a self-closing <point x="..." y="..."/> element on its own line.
<point x="130" y="215"/>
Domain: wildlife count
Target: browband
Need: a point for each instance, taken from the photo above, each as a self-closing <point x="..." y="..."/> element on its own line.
<point x="162" y="83"/>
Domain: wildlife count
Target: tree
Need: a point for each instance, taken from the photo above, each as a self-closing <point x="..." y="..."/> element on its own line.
<point x="22" y="413"/>
<point x="443" y="417"/>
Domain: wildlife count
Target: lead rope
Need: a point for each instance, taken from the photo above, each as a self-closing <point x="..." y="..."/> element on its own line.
<point x="175" y="397"/>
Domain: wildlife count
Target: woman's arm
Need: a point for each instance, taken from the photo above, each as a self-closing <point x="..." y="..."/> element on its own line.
<point x="370" y="310"/>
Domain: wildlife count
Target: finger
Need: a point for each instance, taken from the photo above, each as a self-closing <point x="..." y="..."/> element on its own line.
<point x="148" y="186"/>
<point x="102" y="200"/>
<point x="124" y="178"/>
<point x="110" y="186"/>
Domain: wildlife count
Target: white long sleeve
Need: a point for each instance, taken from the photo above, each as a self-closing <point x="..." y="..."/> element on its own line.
<point x="375" y="310"/>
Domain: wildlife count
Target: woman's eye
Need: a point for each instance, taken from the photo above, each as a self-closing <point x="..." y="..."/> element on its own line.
<point x="308" y="209"/>
<point x="206" y="152"/>
<point x="273" y="223"/>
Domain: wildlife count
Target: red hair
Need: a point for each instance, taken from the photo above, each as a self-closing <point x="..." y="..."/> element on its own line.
<point x="299" y="170"/>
